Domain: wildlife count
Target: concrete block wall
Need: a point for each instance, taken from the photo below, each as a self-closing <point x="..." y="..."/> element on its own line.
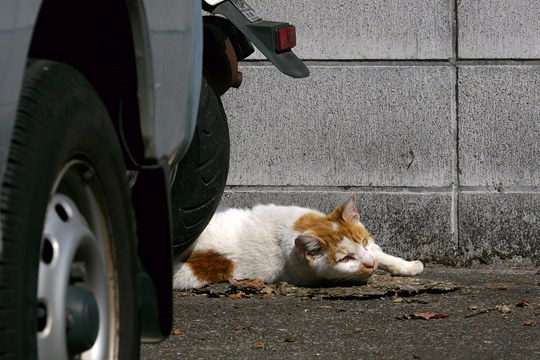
<point x="429" y="110"/>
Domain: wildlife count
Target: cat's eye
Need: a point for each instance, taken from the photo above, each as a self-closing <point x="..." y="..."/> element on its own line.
<point x="347" y="258"/>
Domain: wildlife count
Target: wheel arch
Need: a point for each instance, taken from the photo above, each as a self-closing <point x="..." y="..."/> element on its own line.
<point x="91" y="37"/>
<point x="145" y="60"/>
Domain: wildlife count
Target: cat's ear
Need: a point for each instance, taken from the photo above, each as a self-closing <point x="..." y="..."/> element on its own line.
<point x="349" y="211"/>
<point x="309" y="246"/>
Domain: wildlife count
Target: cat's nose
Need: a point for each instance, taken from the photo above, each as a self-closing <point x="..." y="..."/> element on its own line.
<point x="369" y="262"/>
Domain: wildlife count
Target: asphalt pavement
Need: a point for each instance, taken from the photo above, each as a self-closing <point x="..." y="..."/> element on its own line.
<point x="445" y="313"/>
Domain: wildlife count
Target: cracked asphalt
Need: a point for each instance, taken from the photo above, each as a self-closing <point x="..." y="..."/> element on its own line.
<point x="445" y="313"/>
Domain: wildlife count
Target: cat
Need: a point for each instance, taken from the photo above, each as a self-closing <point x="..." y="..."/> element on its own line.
<point x="286" y="243"/>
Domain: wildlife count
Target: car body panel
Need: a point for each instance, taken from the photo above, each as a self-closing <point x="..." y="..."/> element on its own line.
<point x="170" y="91"/>
<point x="168" y="42"/>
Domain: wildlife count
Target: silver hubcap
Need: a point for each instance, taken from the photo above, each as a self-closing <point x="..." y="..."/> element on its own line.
<point x="73" y="315"/>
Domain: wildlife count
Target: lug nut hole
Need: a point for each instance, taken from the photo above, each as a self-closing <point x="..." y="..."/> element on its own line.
<point x="62" y="212"/>
<point x="47" y="252"/>
<point x="41" y="316"/>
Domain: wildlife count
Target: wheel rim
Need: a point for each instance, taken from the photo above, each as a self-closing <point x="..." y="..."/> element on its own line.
<point x="75" y="279"/>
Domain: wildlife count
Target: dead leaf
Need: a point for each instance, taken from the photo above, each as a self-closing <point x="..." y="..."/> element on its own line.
<point x="523" y="303"/>
<point x="428" y="315"/>
<point x="423" y="315"/>
<point x="260" y="345"/>
<point x="530" y="322"/>
<point x="249" y="283"/>
<point x="177" y="331"/>
<point x="290" y="340"/>
<point x="267" y="290"/>
<point x="497" y="287"/>
<point x="238" y="295"/>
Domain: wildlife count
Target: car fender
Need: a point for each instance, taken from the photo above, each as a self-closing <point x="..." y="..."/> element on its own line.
<point x="168" y="77"/>
<point x="169" y="80"/>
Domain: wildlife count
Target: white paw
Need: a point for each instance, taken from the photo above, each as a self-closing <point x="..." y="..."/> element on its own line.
<point x="414" y="268"/>
<point x="407" y="268"/>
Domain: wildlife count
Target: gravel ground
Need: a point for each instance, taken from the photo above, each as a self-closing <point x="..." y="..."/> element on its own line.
<point x="445" y="313"/>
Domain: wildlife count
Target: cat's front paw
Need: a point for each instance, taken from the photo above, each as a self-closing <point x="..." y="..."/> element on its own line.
<point x="406" y="268"/>
<point x="415" y="268"/>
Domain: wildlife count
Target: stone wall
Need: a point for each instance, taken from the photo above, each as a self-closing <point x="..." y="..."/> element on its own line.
<point x="429" y="110"/>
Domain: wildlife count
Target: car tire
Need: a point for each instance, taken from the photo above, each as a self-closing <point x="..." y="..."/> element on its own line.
<point x="68" y="263"/>
<point x="200" y="177"/>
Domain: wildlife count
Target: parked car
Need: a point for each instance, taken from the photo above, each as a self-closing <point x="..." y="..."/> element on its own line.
<point x="114" y="154"/>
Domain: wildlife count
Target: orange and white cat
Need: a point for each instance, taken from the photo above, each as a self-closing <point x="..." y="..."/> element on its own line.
<point x="286" y="243"/>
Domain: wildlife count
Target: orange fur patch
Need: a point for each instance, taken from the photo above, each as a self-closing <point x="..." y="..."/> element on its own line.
<point x="324" y="227"/>
<point x="210" y="266"/>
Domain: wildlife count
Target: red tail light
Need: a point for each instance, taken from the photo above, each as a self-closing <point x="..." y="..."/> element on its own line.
<point x="286" y="38"/>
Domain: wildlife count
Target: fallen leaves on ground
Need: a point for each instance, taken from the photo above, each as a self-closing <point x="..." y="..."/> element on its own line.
<point x="290" y="340"/>
<point x="247" y="288"/>
<point x="530" y="322"/>
<point x="237" y="295"/>
<point x="504" y="309"/>
<point x="423" y="315"/>
<point x="249" y="283"/>
<point x="381" y="285"/>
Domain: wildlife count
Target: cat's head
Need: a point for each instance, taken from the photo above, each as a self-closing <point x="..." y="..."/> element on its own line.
<point x="334" y="245"/>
